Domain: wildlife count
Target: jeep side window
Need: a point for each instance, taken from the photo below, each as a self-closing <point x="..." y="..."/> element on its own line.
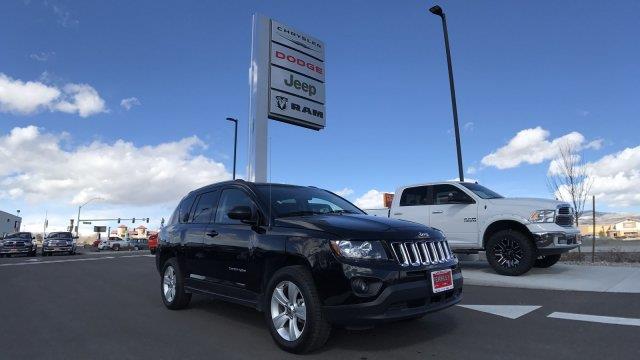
<point x="205" y="207"/>
<point x="185" y="208"/>
<point x="449" y="194"/>
<point x="229" y="199"/>
<point x="415" y="196"/>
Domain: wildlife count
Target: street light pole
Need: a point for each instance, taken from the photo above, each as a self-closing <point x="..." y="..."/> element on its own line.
<point x="80" y="208"/>
<point x="235" y="144"/>
<point x="437" y="10"/>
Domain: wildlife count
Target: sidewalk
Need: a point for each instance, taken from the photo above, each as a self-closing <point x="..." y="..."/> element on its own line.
<point x="615" y="279"/>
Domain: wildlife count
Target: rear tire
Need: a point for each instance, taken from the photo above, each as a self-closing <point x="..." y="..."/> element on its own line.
<point x="510" y="252"/>
<point x="172" y="286"/>
<point x="546" y="261"/>
<point x="302" y="302"/>
<point x="116" y="248"/>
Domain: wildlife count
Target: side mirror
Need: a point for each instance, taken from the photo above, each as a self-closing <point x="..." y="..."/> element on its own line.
<point x="242" y="213"/>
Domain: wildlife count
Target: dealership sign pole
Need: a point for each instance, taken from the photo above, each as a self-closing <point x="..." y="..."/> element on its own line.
<point x="287" y="83"/>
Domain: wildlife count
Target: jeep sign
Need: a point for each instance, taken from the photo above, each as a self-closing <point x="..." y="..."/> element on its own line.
<point x="297" y="84"/>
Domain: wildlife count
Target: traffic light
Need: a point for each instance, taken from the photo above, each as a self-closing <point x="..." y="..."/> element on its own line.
<point x="147" y="220"/>
<point x="133" y="221"/>
<point x="118" y="220"/>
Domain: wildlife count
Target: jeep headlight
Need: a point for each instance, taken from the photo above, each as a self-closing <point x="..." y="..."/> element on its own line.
<point x="352" y="249"/>
<point x="543" y="216"/>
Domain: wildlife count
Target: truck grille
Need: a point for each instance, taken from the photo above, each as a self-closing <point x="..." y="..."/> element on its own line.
<point x="422" y="252"/>
<point x="565" y="216"/>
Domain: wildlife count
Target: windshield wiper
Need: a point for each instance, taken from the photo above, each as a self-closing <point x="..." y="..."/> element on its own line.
<point x="299" y="213"/>
<point x="341" y="212"/>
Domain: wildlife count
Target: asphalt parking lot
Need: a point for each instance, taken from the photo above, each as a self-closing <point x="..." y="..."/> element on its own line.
<point x="108" y="306"/>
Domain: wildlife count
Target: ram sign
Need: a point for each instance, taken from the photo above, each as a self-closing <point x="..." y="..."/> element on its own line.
<point x="296" y="77"/>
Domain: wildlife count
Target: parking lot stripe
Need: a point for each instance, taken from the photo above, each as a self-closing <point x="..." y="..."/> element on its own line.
<point x="59" y="261"/>
<point x="508" y="311"/>
<point x="596" y="318"/>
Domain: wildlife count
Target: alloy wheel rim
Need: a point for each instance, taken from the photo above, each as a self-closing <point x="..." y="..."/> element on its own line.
<point x="288" y="311"/>
<point x="508" y="253"/>
<point x="169" y="283"/>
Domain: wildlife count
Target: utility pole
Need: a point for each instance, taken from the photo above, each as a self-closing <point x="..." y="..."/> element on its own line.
<point x="437" y="10"/>
<point x="80" y="208"/>
<point x="235" y="144"/>
<point x="593" y="243"/>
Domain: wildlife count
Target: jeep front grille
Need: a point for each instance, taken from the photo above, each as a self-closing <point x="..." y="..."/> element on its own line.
<point x="422" y="252"/>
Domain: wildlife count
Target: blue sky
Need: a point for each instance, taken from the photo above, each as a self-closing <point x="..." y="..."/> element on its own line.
<point x="554" y="67"/>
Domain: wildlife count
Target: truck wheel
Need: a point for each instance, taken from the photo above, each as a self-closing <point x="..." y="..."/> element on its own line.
<point x="293" y="311"/>
<point x="172" y="286"/>
<point x="116" y="248"/>
<point x="546" y="261"/>
<point x="510" y="252"/>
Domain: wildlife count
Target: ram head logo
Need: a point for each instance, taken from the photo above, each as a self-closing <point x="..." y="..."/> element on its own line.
<point x="281" y="101"/>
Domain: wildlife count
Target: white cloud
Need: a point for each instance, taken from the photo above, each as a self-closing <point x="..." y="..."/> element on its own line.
<point x="25" y="98"/>
<point x="532" y="146"/>
<point x="344" y="192"/>
<point x="472" y="170"/>
<point x="130" y="102"/>
<point x="42" y="56"/>
<point x="469" y="126"/>
<point x="616" y="178"/>
<point x="372" y="199"/>
<point x="84" y="100"/>
<point x="35" y="166"/>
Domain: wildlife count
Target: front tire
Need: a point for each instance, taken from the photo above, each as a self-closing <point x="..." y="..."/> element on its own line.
<point x="293" y="311"/>
<point x="546" y="261"/>
<point x="172" y="286"/>
<point x="510" y="252"/>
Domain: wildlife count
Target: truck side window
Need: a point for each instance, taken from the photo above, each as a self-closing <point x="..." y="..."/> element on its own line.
<point x="185" y="208"/>
<point x="415" y="196"/>
<point x="205" y="207"/>
<point x="229" y="199"/>
<point x="449" y="194"/>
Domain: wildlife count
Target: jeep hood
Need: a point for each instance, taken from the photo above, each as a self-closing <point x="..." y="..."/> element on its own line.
<point x="352" y="226"/>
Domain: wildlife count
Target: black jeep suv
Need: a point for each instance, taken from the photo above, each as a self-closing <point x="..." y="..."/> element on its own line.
<point x="305" y="257"/>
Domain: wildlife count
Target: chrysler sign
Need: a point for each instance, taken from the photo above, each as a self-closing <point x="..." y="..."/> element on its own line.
<point x="296" y="77"/>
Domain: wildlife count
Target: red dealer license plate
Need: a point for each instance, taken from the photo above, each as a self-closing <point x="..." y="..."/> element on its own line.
<point x="441" y="280"/>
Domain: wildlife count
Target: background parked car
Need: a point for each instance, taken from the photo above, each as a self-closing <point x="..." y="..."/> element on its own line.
<point x="18" y="243"/>
<point x="139" y="244"/>
<point x="59" y="242"/>
<point x="153" y="243"/>
<point x="116" y="244"/>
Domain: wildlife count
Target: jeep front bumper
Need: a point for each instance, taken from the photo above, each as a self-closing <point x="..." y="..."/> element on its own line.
<point x="551" y="238"/>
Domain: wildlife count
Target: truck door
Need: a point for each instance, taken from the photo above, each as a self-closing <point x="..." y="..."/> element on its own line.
<point x="454" y="212"/>
<point x="414" y="205"/>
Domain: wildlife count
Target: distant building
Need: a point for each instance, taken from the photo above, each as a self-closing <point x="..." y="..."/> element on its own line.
<point x="628" y="228"/>
<point x="9" y="223"/>
<point x="123" y="231"/>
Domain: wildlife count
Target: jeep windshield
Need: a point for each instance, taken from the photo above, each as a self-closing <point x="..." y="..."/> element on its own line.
<point x="287" y="201"/>
<point x="482" y="191"/>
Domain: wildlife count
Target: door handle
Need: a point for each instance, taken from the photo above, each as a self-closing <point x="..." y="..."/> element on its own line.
<point x="212" y="233"/>
<point x="437" y="212"/>
<point x="397" y="213"/>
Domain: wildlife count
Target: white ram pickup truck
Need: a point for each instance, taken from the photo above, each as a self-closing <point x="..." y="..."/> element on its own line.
<point x="515" y="233"/>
